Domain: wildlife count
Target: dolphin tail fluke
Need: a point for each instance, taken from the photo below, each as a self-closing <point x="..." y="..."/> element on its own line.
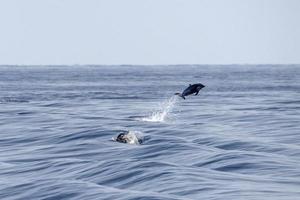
<point x="179" y="94"/>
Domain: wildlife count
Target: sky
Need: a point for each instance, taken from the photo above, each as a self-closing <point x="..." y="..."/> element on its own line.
<point x="149" y="32"/>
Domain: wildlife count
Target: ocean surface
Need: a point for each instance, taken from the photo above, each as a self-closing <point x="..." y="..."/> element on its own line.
<point x="238" y="139"/>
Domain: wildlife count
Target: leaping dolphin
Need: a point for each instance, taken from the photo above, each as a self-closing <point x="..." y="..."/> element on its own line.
<point x="195" y="88"/>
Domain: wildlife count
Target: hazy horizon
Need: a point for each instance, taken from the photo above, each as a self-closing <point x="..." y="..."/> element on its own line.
<point x="233" y="64"/>
<point x="132" y="32"/>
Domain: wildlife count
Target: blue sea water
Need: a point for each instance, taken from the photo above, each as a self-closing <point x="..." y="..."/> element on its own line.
<point x="238" y="139"/>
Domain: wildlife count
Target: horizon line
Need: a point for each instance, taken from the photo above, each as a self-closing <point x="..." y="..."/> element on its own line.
<point x="233" y="64"/>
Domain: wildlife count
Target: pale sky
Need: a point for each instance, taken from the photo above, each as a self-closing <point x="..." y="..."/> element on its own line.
<point x="149" y="32"/>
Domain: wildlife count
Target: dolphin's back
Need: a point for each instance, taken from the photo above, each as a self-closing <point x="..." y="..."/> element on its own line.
<point x="189" y="90"/>
<point x="192" y="89"/>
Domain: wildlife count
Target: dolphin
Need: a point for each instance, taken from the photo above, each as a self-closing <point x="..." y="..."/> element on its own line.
<point x="195" y="88"/>
<point x="122" y="138"/>
<point x="129" y="137"/>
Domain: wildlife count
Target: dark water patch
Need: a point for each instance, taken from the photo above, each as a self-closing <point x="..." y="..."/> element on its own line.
<point x="84" y="135"/>
<point x="54" y="104"/>
<point x="19" y="141"/>
<point x="152" y="164"/>
<point x="249" y="146"/>
<point x="297" y="102"/>
<point x="137" y="117"/>
<point x="94" y="117"/>
<point x="25" y="113"/>
<point x="13" y="100"/>
<point x="220" y="158"/>
<point x="237" y="167"/>
<point x="281" y="108"/>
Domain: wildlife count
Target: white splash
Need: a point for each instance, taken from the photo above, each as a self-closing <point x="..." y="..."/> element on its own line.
<point x="163" y="111"/>
<point x="133" y="137"/>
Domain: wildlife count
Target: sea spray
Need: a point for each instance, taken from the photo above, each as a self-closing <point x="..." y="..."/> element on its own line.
<point x="163" y="112"/>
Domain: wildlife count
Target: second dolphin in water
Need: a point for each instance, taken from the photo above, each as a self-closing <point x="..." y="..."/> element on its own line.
<point x="195" y="88"/>
<point x="130" y="137"/>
